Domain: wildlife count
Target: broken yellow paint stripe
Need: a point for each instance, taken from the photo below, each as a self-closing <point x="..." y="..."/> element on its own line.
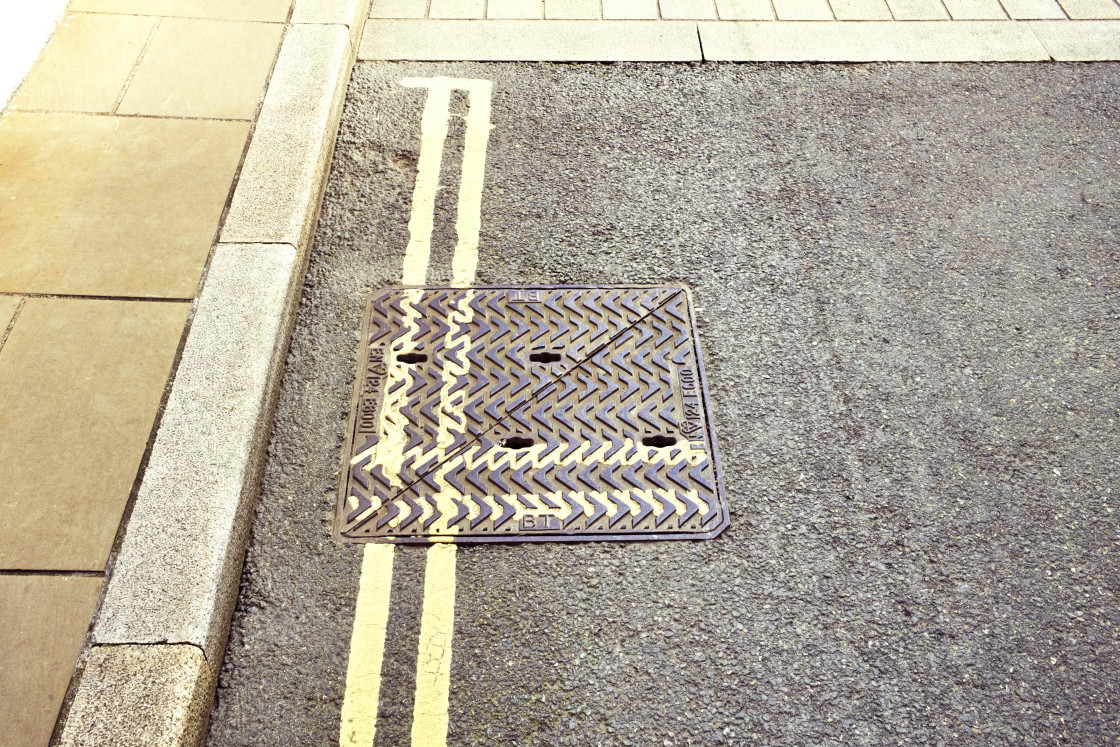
<point x="437" y="620"/>
<point x="433" y="133"/>
<point x="433" y="664"/>
<point x="367" y="648"/>
<point x="469" y="215"/>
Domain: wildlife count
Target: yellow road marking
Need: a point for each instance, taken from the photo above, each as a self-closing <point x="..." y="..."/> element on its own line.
<point x="367" y="648"/>
<point x="433" y="132"/>
<point x="468" y="219"/>
<point x="433" y="663"/>
<point x="437" y="621"/>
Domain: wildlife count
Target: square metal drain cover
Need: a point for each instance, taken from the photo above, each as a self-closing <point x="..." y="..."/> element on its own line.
<point x="553" y="413"/>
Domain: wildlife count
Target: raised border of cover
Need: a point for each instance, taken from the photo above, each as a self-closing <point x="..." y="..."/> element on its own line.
<point x="710" y="435"/>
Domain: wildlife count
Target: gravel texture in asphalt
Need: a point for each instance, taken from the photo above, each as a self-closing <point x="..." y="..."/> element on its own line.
<point x="906" y="279"/>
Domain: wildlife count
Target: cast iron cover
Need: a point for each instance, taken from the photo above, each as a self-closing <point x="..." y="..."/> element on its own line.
<point x="552" y="413"/>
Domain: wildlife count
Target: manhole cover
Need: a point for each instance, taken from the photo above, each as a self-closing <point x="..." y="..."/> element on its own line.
<point x="492" y="414"/>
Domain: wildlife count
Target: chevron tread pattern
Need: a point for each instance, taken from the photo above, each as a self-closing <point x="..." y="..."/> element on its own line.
<point x="485" y="414"/>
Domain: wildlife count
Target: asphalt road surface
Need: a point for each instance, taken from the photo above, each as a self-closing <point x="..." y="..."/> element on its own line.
<point x="906" y="279"/>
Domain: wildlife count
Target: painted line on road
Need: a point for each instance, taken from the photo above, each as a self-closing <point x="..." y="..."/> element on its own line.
<point x="367" y="648"/>
<point x="433" y="660"/>
<point x="468" y="221"/>
<point x="437" y="620"/>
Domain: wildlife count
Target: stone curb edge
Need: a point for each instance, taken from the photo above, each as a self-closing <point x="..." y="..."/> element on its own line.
<point x="159" y="636"/>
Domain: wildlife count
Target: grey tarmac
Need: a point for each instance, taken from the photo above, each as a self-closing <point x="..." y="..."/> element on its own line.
<point x="906" y="279"/>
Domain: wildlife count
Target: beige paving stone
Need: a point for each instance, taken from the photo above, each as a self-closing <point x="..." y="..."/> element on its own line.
<point x="231" y="10"/>
<point x="1032" y="9"/>
<point x="918" y="10"/>
<point x="1079" y="41"/>
<point x="227" y="66"/>
<point x="688" y="9"/>
<point x="1091" y="9"/>
<point x="858" y="41"/>
<point x="557" y="41"/>
<point x="630" y="9"/>
<point x="45" y="619"/>
<point x="533" y="9"/>
<point x="975" y="10"/>
<point x="111" y="206"/>
<point x="398" y="8"/>
<point x="8" y="306"/>
<point x="86" y="65"/>
<point x="460" y="9"/>
<point x="80" y="383"/>
<point x="572" y="9"/>
<point x="861" y="10"/>
<point x="803" y="10"/>
<point x="745" y="10"/>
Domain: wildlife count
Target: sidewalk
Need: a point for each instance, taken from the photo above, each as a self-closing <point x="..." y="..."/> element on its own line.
<point x="743" y="30"/>
<point x="117" y="159"/>
<point x="120" y="156"/>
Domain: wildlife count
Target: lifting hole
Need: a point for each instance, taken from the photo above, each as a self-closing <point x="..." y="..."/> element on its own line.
<point x="659" y="441"/>
<point x="412" y="357"/>
<point x="544" y="357"/>
<point x="516" y="442"/>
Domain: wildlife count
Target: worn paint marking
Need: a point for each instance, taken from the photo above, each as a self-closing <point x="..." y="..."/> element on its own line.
<point x="367" y="648"/>
<point x="433" y="663"/>
<point x="433" y="134"/>
<point x="437" y="622"/>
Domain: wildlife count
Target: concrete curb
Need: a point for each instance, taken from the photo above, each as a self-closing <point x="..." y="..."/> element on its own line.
<point x="159" y="637"/>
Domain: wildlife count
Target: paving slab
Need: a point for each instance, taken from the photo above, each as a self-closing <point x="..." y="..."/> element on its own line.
<point x="203" y="68"/>
<point x="86" y="65"/>
<point x="457" y="9"/>
<point x="918" y="10"/>
<point x="803" y="10"/>
<point x="975" y="10"/>
<point x="80" y="380"/>
<point x="530" y="40"/>
<point x="235" y="10"/>
<point x="398" y="9"/>
<point x="527" y="9"/>
<point x="1029" y="9"/>
<point x="688" y="9"/>
<point x="630" y="10"/>
<point x="745" y="10"/>
<point x="1079" y="41"/>
<point x="897" y="41"/>
<point x="278" y="189"/>
<point x="140" y="696"/>
<point x="176" y="573"/>
<point x="572" y="9"/>
<point x="112" y="206"/>
<point x="1091" y="9"/>
<point x="862" y="10"/>
<point x="45" y="619"/>
<point x="8" y="306"/>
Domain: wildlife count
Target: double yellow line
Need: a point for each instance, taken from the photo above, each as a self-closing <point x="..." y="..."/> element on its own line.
<point x="437" y="620"/>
